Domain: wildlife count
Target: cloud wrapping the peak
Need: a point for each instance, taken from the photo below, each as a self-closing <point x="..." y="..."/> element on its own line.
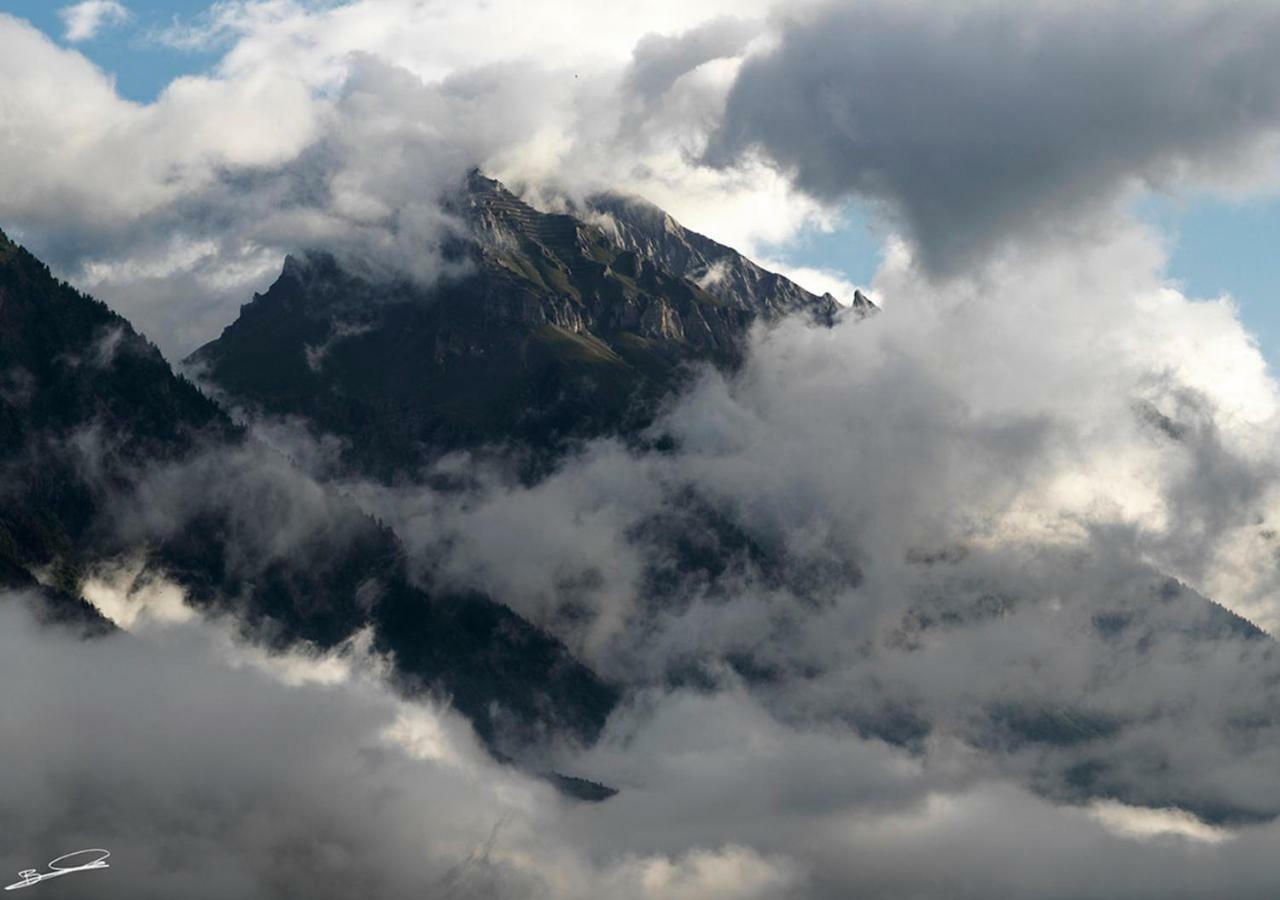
<point x="960" y="519"/>
<point x="338" y="126"/>
<point x="968" y="127"/>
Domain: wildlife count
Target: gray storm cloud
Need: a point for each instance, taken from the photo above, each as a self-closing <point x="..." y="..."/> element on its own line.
<point x="973" y="123"/>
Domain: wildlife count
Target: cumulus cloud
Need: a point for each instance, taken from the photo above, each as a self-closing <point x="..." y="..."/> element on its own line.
<point x="339" y="126"/>
<point x="964" y="126"/>
<point x="976" y="123"/>
<point x="84" y="20"/>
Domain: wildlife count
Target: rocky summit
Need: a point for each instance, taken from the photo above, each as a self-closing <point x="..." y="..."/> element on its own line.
<point x="563" y="326"/>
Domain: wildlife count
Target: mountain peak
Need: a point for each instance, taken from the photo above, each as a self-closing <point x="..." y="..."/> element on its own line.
<point x="568" y="325"/>
<point x="500" y="221"/>
<point x="637" y="225"/>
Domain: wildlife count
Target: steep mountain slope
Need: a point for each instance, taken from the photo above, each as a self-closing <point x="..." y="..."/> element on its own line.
<point x="83" y="400"/>
<point x="109" y="462"/>
<point x="640" y="227"/>
<point x="562" y="330"/>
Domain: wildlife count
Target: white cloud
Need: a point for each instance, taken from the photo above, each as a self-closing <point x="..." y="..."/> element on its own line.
<point x="1147" y="824"/>
<point x="264" y="152"/>
<point x="818" y="280"/>
<point x="84" y="20"/>
<point x="341" y="123"/>
<point x="129" y="598"/>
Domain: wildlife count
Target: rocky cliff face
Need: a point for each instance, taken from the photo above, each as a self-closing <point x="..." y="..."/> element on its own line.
<point x="562" y="329"/>
<point x="639" y="227"/>
<point x="590" y="281"/>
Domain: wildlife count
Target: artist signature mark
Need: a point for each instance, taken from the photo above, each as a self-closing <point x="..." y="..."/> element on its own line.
<point x="65" y="864"/>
